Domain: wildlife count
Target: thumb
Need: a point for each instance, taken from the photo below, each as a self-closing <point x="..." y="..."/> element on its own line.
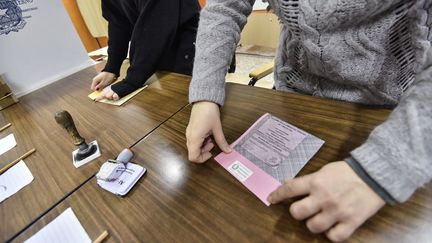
<point x="99" y="86"/>
<point x="95" y="83"/>
<point x="220" y="138"/>
<point x="116" y="96"/>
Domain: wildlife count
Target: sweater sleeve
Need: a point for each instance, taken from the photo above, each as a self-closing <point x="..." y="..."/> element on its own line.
<point x="397" y="154"/>
<point x="218" y="34"/>
<point x="119" y="33"/>
<point x="154" y="33"/>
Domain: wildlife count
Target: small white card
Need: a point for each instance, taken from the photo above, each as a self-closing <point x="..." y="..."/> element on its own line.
<point x="126" y="181"/>
<point x="240" y="171"/>
<point x="14" y="179"/>
<point x="66" y="228"/>
<point x="7" y="143"/>
<point x="88" y="159"/>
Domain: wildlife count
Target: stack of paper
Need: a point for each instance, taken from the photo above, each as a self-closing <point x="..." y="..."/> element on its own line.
<point x="66" y="228"/>
<point x="126" y="181"/>
<point x="268" y="153"/>
<point x="14" y="179"/>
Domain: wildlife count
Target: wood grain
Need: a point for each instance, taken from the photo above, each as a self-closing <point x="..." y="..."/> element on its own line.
<point x="179" y="201"/>
<point x="113" y="127"/>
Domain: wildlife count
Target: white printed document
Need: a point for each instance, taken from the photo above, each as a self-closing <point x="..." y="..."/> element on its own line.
<point x="14" y="179"/>
<point x="7" y="143"/>
<point x="66" y="228"/>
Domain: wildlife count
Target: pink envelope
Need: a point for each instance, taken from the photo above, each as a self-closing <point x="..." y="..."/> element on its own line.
<point x="251" y="176"/>
<point x="289" y="152"/>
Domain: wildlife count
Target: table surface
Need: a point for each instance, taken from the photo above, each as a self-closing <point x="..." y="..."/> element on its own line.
<point x="114" y="128"/>
<point x="181" y="201"/>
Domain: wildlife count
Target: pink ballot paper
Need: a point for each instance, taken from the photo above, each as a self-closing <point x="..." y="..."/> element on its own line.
<point x="268" y="153"/>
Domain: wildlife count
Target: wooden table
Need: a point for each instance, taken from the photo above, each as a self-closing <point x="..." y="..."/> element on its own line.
<point x="179" y="201"/>
<point x="114" y="128"/>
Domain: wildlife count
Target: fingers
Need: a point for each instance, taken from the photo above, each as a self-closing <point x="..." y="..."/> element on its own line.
<point x="115" y="96"/>
<point x="204" y="121"/>
<point x="110" y="95"/>
<point x="220" y="138"/>
<point x="195" y="153"/>
<point x="209" y="145"/>
<point x="194" y="150"/>
<point x="291" y="188"/>
<point x="102" y="84"/>
<point x="99" y="86"/>
<point x="102" y="80"/>
<point x="322" y="221"/>
<point x="305" y="208"/>
<point x="341" y="232"/>
<point x="204" y="150"/>
<point x="95" y="82"/>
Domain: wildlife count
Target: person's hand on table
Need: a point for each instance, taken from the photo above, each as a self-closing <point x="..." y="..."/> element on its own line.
<point x="204" y="122"/>
<point x="336" y="201"/>
<point x="102" y="80"/>
<point x="108" y="94"/>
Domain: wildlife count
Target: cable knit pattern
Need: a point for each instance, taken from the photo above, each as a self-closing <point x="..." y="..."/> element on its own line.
<point x="375" y="52"/>
<point x="342" y="54"/>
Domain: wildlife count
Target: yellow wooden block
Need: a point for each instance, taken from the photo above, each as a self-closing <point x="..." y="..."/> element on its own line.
<point x="119" y="102"/>
<point x="262" y="71"/>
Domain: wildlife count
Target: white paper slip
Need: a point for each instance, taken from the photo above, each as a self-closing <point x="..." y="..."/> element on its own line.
<point x="240" y="171"/>
<point x="66" y="228"/>
<point x="14" y="179"/>
<point x="7" y="143"/>
<point x="126" y="181"/>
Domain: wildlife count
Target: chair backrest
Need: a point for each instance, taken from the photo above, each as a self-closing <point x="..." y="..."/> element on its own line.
<point x="91" y="12"/>
<point x="262" y="29"/>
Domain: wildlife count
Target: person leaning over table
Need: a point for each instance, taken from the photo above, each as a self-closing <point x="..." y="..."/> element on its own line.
<point x="162" y="38"/>
<point x="367" y="52"/>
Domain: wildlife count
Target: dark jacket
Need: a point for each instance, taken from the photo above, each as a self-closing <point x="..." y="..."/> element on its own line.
<point x="162" y="35"/>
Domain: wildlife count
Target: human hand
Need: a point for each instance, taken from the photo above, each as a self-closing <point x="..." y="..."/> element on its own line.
<point x="107" y="94"/>
<point x="337" y="201"/>
<point x="204" y="121"/>
<point x="102" y="80"/>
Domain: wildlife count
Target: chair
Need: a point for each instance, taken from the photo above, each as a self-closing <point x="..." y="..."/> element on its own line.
<point x="260" y="72"/>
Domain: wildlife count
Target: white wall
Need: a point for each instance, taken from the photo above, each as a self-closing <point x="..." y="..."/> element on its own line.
<point x="45" y="50"/>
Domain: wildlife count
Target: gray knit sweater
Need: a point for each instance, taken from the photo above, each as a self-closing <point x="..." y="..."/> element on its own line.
<point x="370" y="52"/>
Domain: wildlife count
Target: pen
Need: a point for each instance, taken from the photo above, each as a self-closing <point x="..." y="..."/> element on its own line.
<point x="16" y="161"/>
<point x="5" y="126"/>
<point x="101" y="237"/>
